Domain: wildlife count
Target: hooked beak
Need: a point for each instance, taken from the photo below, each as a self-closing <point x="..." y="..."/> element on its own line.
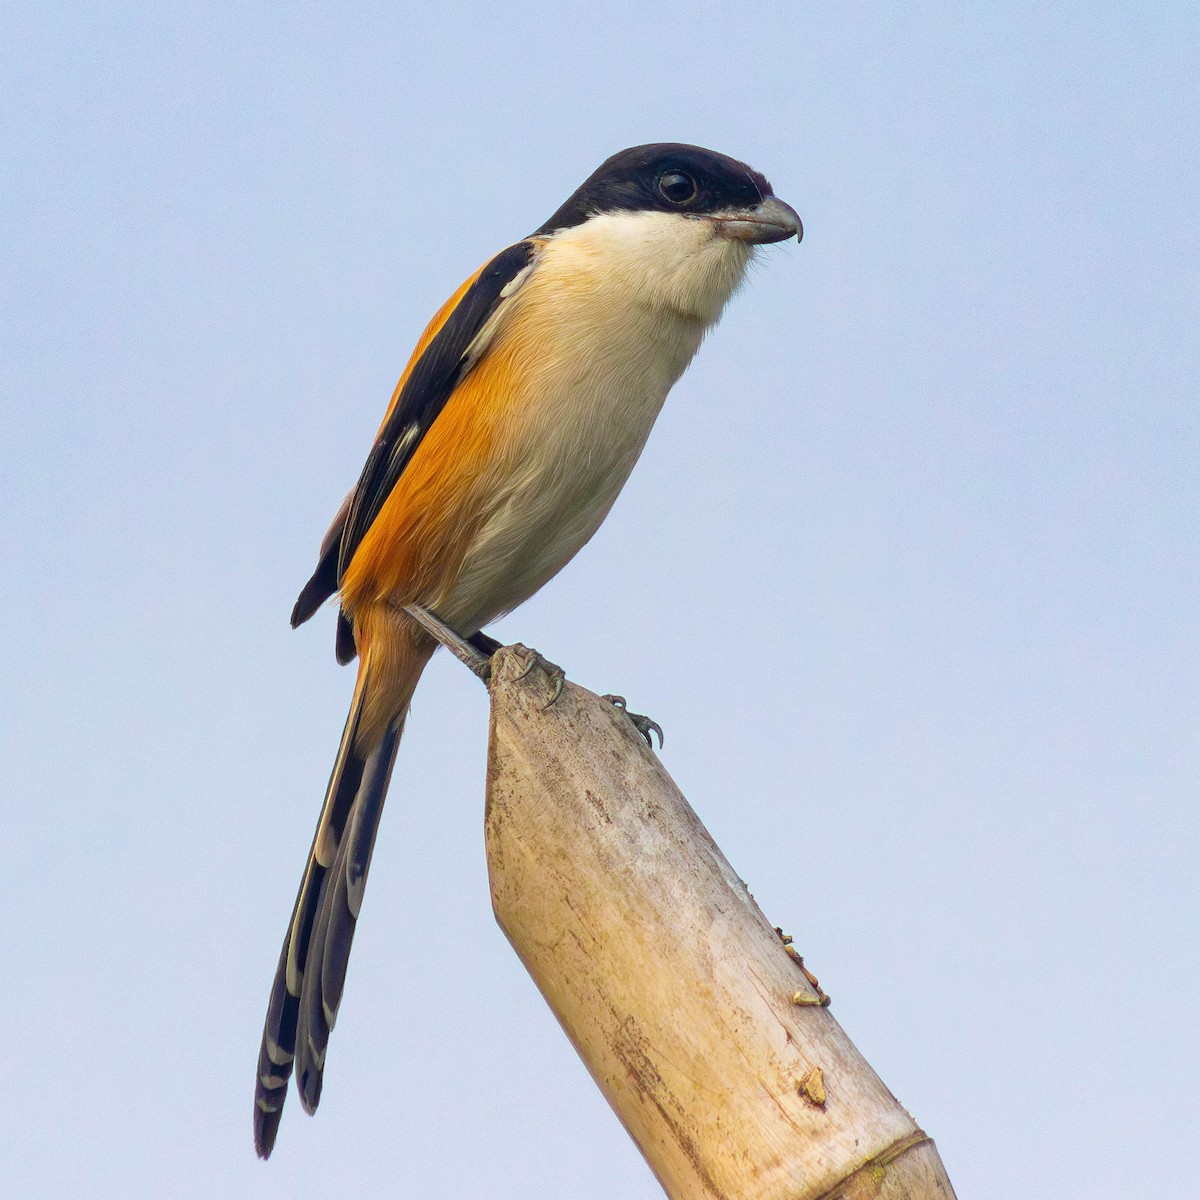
<point x="770" y="221"/>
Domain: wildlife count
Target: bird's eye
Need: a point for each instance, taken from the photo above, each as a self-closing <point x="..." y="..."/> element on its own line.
<point x="676" y="186"/>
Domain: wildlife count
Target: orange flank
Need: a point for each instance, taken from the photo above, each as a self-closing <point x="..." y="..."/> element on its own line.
<point x="388" y="566"/>
<point x="415" y="547"/>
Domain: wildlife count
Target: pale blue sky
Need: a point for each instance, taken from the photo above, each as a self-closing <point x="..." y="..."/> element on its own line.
<point x="908" y="571"/>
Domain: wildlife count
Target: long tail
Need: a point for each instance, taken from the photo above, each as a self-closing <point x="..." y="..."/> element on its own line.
<point x="312" y="966"/>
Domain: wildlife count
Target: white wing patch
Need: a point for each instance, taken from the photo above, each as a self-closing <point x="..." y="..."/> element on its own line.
<point x="483" y="339"/>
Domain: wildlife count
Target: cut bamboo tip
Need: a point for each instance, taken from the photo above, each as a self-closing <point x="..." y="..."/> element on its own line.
<point x="710" y="1040"/>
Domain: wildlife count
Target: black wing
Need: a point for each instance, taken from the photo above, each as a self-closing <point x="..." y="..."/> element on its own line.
<point x="436" y="374"/>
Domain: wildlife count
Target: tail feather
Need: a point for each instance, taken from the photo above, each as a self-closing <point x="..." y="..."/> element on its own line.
<point x="340" y="795"/>
<point x="277" y="1052"/>
<point x="274" y="1061"/>
<point x="337" y="917"/>
<point x="311" y="974"/>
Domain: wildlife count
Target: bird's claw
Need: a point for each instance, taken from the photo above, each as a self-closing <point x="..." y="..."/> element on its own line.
<point x="559" y="677"/>
<point x="644" y="725"/>
<point x="553" y="671"/>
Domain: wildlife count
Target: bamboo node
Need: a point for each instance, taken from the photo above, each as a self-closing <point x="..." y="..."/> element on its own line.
<point x="812" y="1087"/>
<point x="804" y="999"/>
<point x="821" y="998"/>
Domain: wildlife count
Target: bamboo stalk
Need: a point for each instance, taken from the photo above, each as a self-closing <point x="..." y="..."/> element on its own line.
<point x="700" y="1027"/>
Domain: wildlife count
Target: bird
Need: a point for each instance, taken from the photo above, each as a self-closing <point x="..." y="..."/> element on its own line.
<point x="520" y="415"/>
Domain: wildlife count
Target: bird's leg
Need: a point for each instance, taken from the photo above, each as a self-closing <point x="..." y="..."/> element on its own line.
<point x="466" y="650"/>
<point x="477" y="650"/>
<point x="484" y="644"/>
<point x="644" y="725"/>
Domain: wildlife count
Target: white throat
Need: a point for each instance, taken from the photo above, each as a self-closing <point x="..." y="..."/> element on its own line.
<point x="656" y="260"/>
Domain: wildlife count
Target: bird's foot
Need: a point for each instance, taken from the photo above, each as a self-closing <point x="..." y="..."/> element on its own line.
<point x="554" y="673"/>
<point x="644" y="725"/>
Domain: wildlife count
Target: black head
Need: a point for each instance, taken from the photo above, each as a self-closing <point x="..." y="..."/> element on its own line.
<point x="663" y="177"/>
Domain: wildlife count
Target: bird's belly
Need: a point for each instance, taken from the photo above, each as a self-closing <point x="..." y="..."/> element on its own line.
<point x="574" y="441"/>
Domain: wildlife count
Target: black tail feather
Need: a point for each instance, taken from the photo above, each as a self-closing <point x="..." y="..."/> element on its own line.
<point x="282" y="1030"/>
<point x="337" y="916"/>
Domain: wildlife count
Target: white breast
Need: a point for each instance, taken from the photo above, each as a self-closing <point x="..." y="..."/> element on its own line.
<point x="605" y="324"/>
